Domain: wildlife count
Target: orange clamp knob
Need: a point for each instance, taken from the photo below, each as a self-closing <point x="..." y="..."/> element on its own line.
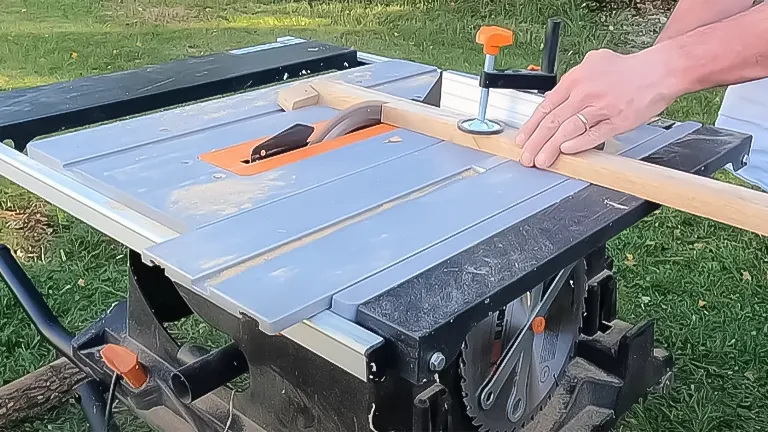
<point x="539" y="324"/>
<point x="125" y="363"/>
<point x="493" y="38"/>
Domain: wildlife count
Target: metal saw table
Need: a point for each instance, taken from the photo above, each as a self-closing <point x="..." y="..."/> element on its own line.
<point x="347" y="279"/>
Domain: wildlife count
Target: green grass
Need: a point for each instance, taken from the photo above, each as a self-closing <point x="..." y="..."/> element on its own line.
<point x="705" y="285"/>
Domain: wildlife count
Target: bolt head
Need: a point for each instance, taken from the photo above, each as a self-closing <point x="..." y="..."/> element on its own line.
<point x="437" y="361"/>
<point x="745" y="159"/>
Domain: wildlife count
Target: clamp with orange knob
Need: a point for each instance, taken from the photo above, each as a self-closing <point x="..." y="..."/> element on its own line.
<point x="534" y="78"/>
<point x="493" y="38"/>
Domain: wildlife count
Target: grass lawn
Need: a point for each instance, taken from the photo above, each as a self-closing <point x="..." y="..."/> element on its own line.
<point x="706" y="285"/>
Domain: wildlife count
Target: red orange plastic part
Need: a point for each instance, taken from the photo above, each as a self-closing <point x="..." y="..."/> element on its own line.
<point x="235" y="159"/>
<point x="493" y="38"/>
<point x="125" y="363"/>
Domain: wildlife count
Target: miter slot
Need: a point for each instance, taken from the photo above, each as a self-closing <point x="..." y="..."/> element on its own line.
<point x="316" y="272"/>
<point x="545" y="191"/>
<point x="347" y="301"/>
<point x="269" y="282"/>
<point x="279" y="223"/>
<point x="322" y="233"/>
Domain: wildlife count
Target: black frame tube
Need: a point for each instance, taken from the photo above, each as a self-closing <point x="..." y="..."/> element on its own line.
<point x="94" y="407"/>
<point x="48" y="325"/>
<point x="34" y="305"/>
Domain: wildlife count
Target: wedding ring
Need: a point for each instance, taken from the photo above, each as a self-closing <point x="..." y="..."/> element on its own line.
<point x="583" y="120"/>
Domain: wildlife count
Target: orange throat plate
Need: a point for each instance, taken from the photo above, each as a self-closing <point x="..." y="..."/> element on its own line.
<point x="236" y="159"/>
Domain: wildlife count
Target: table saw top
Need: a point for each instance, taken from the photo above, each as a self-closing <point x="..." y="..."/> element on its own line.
<point x="325" y="232"/>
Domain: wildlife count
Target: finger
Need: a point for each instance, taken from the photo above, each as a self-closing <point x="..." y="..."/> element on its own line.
<point x="547" y="129"/>
<point x="591" y="139"/>
<point x="551" y="101"/>
<point x="571" y="128"/>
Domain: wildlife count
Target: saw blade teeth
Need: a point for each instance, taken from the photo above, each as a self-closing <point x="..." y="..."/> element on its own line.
<point x="576" y="320"/>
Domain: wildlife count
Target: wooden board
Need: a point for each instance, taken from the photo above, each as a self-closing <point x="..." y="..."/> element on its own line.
<point x="702" y="196"/>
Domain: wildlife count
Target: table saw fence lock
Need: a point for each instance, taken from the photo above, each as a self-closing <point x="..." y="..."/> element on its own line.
<point x="534" y="78"/>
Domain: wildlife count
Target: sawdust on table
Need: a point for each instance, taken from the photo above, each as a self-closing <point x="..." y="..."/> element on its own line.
<point x="207" y="265"/>
<point x="225" y="196"/>
<point x="314" y="236"/>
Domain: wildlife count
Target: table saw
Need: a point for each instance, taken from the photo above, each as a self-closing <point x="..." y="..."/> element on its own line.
<point x="382" y="280"/>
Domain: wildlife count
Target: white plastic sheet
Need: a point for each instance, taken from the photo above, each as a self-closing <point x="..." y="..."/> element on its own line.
<point x="745" y="109"/>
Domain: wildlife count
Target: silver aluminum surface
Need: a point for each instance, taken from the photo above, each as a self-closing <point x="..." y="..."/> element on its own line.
<point x="336" y="339"/>
<point x="323" y="233"/>
<point x="104" y="214"/>
<point x="460" y="93"/>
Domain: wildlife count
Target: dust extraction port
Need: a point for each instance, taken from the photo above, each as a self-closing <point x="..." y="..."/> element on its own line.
<point x="204" y="375"/>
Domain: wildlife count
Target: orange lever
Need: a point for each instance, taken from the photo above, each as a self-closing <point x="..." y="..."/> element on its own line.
<point x="125" y="363"/>
<point x="493" y="38"/>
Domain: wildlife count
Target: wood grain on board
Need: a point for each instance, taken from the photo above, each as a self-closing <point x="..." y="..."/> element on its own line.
<point x="702" y="196"/>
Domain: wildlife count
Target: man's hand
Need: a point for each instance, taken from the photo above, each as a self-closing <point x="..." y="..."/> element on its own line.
<point x="606" y="95"/>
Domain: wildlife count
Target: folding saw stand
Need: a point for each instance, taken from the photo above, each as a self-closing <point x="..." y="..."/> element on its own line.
<point x="347" y="275"/>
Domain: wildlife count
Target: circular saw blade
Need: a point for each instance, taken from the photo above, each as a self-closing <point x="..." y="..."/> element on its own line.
<point x="360" y="115"/>
<point x="548" y="355"/>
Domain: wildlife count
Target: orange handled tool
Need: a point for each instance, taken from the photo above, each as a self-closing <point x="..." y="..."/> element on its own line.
<point x="493" y="38"/>
<point x="533" y="78"/>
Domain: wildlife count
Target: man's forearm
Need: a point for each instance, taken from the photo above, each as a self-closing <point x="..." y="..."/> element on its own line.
<point x="692" y="14"/>
<point x="728" y="52"/>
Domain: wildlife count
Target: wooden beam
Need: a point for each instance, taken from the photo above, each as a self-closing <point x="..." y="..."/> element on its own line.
<point x="295" y="97"/>
<point x="36" y="393"/>
<point x="702" y="196"/>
